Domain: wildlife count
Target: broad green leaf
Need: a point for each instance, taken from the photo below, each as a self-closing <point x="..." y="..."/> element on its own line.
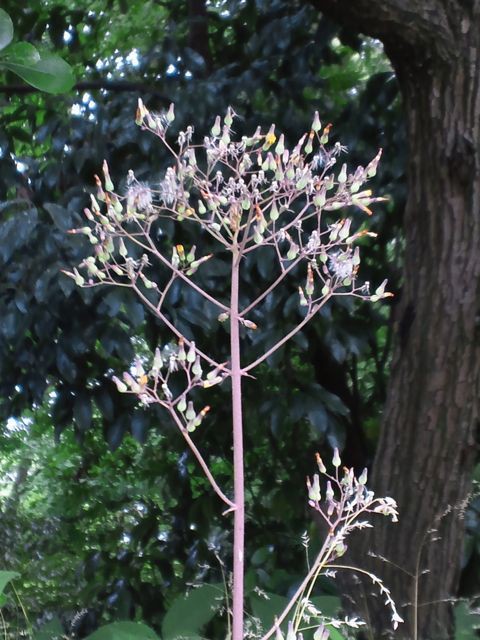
<point x="188" y="614"/>
<point x="5" y="578"/>
<point x="266" y="609"/>
<point x="53" y="630"/>
<point x="6" y="29"/>
<point x="328" y="605"/>
<point x="22" y="53"/>
<point x="60" y="216"/>
<point x="336" y="635"/>
<point x="466" y="622"/>
<point x="123" y="631"/>
<point x="50" y="74"/>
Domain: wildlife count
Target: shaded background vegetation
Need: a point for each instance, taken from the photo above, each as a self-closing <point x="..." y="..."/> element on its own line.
<point x="102" y="509"/>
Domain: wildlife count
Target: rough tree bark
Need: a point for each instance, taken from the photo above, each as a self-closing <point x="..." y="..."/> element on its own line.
<point x="426" y="450"/>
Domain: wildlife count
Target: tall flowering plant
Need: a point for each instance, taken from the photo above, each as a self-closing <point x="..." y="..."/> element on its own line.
<point x="248" y="193"/>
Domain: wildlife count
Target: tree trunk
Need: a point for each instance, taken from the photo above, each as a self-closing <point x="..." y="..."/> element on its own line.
<point x="426" y="451"/>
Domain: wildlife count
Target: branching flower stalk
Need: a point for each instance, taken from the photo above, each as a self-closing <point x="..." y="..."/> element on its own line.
<point x="246" y="194"/>
<point x="344" y="507"/>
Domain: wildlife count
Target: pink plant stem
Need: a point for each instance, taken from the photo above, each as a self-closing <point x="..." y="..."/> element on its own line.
<point x="238" y="473"/>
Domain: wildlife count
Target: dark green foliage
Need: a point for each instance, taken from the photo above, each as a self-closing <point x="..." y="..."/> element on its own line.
<point x="127" y="531"/>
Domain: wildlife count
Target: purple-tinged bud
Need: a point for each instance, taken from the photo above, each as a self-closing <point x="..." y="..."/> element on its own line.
<point x="309" y="145"/>
<point x="302" y="182"/>
<point x="329" y="492"/>
<point x="147" y="283"/>
<point x="191" y="254"/>
<point x="121" y="386"/>
<point x="363" y="477"/>
<point x="280" y="148"/>
<point x="303" y="300"/>
<point x="342" y="176"/>
<point x="316" y="124"/>
<point x="122" y="249"/>
<point x="166" y="392"/>
<point x="274" y="213"/>
<point x="278" y="633"/>
<point x="211" y="382"/>
<point x="309" y="285"/>
<point x="157" y="360"/>
<point x="270" y="138"/>
<point x="320" y="464"/>
<point x="290" y="173"/>
<point x="293" y="251"/>
<point x="225" y="139"/>
<point x="79" y="280"/>
<point x="175" y="258"/>
<point x="336" y="458"/>
<point x="320" y="197"/>
<point x="191" y="352"/>
<point x="216" y="129"/>
<point x="325" y="134"/>
<point x="181" y="355"/>
<point x="291" y="635"/>
<point x="322" y="633"/>
<point x="141" y="113"/>
<point x="314" y="492"/>
<point x="108" y="182"/>
<point x="345" y="229"/>
<point x="138" y="370"/>
<point x="197" y="368"/>
<point x="170" y="115"/>
<point x="190" y="413"/>
<point x="100" y="192"/>
<point x="95" y="207"/>
<point x="371" y="169"/>
<point x="133" y="384"/>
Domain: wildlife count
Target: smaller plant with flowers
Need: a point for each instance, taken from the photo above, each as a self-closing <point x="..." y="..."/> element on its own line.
<point x="246" y="194"/>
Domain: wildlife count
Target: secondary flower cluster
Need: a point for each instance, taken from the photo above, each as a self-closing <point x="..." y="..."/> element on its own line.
<point x="342" y="502"/>
<point x="151" y="384"/>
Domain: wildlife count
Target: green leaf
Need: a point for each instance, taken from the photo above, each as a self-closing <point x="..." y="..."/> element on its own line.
<point x="6" y="29"/>
<point x="123" y="631"/>
<point x="266" y="610"/>
<point x="53" y="630"/>
<point x="328" y="605"/>
<point x="82" y="412"/>
<point x="50" y="73"/>
<point x="5" y="578"/>
<point x="188" y="614"/>
<point x="22" y="53"/>
<point x="466" y="622"/>
<point x="60" y="216"/>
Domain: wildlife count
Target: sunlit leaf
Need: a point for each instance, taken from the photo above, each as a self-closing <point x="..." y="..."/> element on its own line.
<point x="50" y="73"/>
<point x="123" y="631"/>
<point x="6" y="29"/>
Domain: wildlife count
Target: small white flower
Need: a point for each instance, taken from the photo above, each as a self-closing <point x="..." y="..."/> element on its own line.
<point x="341" y="265"/>
<point x="169" y="187"/>
<point x="139" y="197"/>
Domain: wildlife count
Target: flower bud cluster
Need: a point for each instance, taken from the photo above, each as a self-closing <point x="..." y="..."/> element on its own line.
<point x="246" y="193"/>
<point x="152" y="385"/>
